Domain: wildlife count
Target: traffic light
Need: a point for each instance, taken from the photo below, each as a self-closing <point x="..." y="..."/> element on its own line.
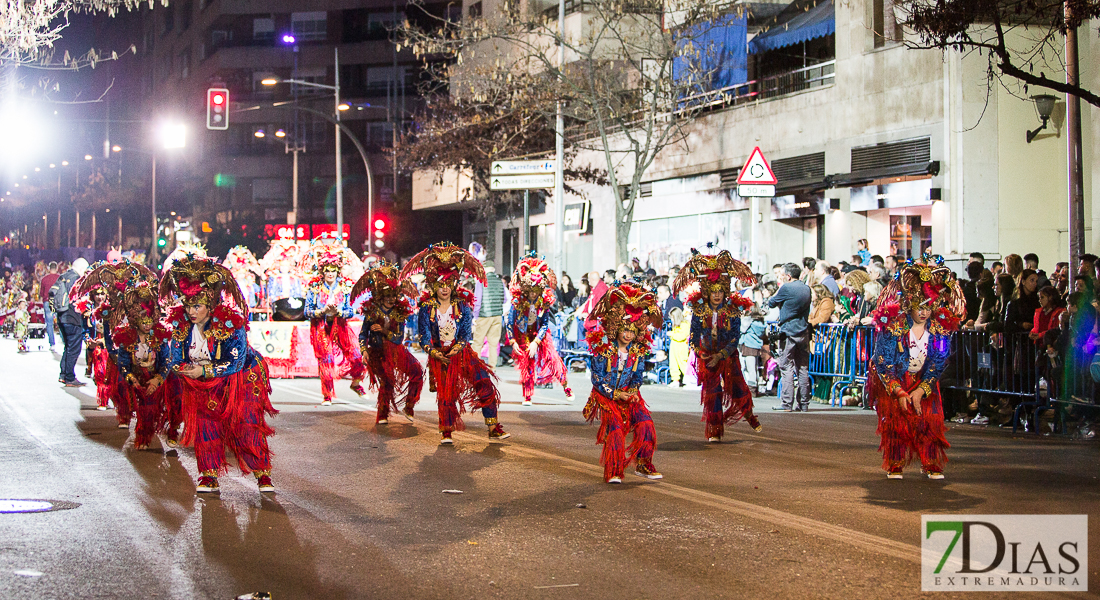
<point x="217" y="108"/>
<point x="162" y="241"/>
<point x="379" y="228"/>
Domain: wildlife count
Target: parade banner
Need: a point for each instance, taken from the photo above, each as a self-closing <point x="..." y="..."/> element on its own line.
<point x="272" y="338"/>
<point x="286" y="346"/>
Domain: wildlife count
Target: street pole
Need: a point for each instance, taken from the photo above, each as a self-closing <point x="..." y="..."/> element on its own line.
<point x="339" y="158"/>
<point x="559" y="149"/>
<point x="294" y="193"/>
<point x="77" y="243"/>
<point x="92" y="245"/>
<point x="153" y="240"/>
<point x="1073" y="125"/>
<point x="526" y="221"/>
<point x="120" y="231"/>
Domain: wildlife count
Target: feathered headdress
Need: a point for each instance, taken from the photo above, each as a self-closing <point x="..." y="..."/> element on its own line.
<point x="139" y="303"/>
<point x="241" y="258"/>
<point x="532" y="272"/>
<point x="627" y="306"/>
<point x="381" y="280"/>
<point x="183" y="250"/>
<point x="200" y="280"/>
<point x="281" y="250"/>
<point x="327" y="256"/>
<point x="713" y="272"/>
<point x="114" y="279"/>
<point x="444" y="264"/>
<point x="927" y="282"/>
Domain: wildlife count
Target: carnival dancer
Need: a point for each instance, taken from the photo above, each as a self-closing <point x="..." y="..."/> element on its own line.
<point x="222" y="380"/>
<point x="96" y="356"/>
<point x="715" y="335"/>
<point x="463" y="381"/>
<point x="112" y="279"/>
<point x="280" y="266"/>
<point x="246" y="271"/>
<point x="528" y="322"/>
<point x="920" y="310"/>
<point x="328" y="308"/>
<point x="619" y="343"/>
<point x="393" y="371"/>
<point x="142" y="342"/>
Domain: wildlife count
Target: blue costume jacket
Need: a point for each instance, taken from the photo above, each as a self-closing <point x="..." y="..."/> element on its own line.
<point x="606" y="376"/>
<point x="429" y="327"/>
<point x="519" y="324"/>
<point x="701" y="337"/>
<point x="376" y="314"/>
<point x="276" y="290"/>
<point x="891" y="355"/>
<point x="126" y="361"/>
<point x="317" y="297"/>
<point x="228" y="356"/>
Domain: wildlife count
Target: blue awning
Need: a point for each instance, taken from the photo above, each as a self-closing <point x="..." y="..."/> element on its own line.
<point x="819" y="21"/>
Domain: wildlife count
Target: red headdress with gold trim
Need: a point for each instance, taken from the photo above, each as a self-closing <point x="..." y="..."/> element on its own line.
<point x="444" y="264"/>
<point x="330" y="256"/>
<point x="624" y="306"/>
<point x="114" y="279"/>
<point x="926" y="282"/>
<point x="240" y="258"/>
<point x="533" y="273"/>
<point x="201" y="280"/>
<point x="382" y="280"/>
<point x="713" y="272"/>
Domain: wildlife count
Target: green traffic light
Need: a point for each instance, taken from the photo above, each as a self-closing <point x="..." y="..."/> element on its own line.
<point x="162" y="242"/>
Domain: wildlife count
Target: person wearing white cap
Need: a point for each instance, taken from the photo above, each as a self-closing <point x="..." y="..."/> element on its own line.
<point x="70" y="320"/>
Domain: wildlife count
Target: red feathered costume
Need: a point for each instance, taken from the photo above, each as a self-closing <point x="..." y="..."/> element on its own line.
<point x="328" y="308"/>
<point x="528" y="322"/>
<point x="391" y="369"/>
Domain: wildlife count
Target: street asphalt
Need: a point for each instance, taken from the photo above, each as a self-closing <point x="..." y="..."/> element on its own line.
<point x="799" y="510"/>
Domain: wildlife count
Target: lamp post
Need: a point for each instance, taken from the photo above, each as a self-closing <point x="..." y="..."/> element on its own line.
<point x="335" y="89"/>
<point x="172" y="135"/>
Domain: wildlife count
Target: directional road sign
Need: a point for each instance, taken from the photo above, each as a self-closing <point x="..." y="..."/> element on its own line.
<point x="522" y="167"/>
<point x="521" y="182"/>
<point x="756" y="171"/>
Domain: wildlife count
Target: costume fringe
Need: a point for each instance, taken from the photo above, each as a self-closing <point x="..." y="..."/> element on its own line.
<point x="905" y="434"/>
<point x="237" y="421"/>
<point x="548" y="367"/>
<point x="332" y="345"/>
<point x="465" y="384"/>
<point x="152" y="411"/>
<point x="614" y="418"/>
<point x="726" y="397"/>
<point x="397" y="376"/>
<point x="101" y="375"/>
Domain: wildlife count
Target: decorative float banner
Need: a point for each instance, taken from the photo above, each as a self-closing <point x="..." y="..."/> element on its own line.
<point x="286" y="346"/>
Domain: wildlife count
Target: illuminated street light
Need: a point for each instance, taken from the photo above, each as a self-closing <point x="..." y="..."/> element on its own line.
<point x="259" y="133"/>
<point x="289" y="39"/>
<point x="116" y="148"/>
<point x="344" y="106"/>
<point x="36" y="169"/>
<point x="269" y="81"/>
<point x="53" y="166"/>
<point x="280" y="133"/>
<point x="64" y="163"/>
<point x="87" y="157"/>
<point x="173" y="135"/>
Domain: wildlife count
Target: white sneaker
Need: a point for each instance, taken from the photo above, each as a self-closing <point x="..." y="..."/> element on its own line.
<point x="980" y="420"/>
<point x="615" y="480"/>
<point x="960" y="419"/>
<point x="101" y="408"/>
<point x="326" y="402"/>
<point x="674" y="384"/>
<point x="527" y="403"/>
<point x="714" y="440"/>
<point x="446" y="441"/>
<point x="935" y="475"/>
<point x="123" y="425"/>
<point x="382" y="422"/>
<point x="893" y="475"/>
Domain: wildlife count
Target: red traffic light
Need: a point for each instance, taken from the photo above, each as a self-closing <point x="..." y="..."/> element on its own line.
<point x="217" y="104"/>
<point x="379" y="223"/>
<point x="219" y="99"/>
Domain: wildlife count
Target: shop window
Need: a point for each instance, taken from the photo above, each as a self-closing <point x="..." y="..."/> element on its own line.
<point x="909" y="237"/>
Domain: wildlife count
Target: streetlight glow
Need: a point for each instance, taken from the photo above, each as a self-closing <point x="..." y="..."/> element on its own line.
<point x="344" y="106"/>
<point x="289" y="39"/>
<point x="87" y="157"/>
<point x="53" y="166"/>
<point x="269" y="81"/>
<point x="280" y="133"/>
<point x="173" y="135"/>
<point x="116" y="148"/>
<point x="259" y="133"/>
<point x="64" y="163"/>
<point x="36" y="169"/>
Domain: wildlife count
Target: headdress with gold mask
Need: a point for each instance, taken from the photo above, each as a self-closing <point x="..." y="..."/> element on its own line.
<point x="325" y="256"/>
<point x="925" y="282"/>
<point x="114" y="279"/>
<point x="711" y="273"/>
<point x="533" y="273"/>
<point x="382" y="280"/>
<point x="201" y="280"/>
<point x="444" y="264"/>
<point x="625" y="306"/>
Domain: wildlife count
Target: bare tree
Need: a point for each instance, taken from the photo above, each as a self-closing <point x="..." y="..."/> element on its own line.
<point x="1023" y="39"/>
<point x="635" y="74"/>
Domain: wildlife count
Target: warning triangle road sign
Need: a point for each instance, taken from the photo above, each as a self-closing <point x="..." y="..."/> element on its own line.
<point x="756" y="171"/>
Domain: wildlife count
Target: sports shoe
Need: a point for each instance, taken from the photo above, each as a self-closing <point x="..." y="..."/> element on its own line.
<point x="935" y="474"/>
<point x="382" y="422"/>
<point x="615" y="480"/>
<point x="754" y="423"/>
<point x="74" y="383"/>
<point x="675" y="384"/>
<point x="408" y="414"/>
<point x="960" y="419"/>
<point x="714" y="440"/>
<point x="358" y="389"/>
<point x="497" y="433"/>
<point x="447" y="441"/>
<point x="893" y="475"/>
<point x="569" y="394"/>
<point x="101" y="408"/>
<point x="264" y="483"/>
<point x="326" y="402"/>
<point x="526" y="403"/>
<point x="980" y="420"/>
<point x="208" y="484"/>
<point x="123" y="425"/>
<point x="646" y="470"/>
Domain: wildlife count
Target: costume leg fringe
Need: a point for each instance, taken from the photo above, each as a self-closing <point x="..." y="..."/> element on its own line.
<point x="450" y="409"/>
<point x="550" y="365"/>
<point x="209" y="450"/>
<point x="381" y="380"/>
<point x="526" y="368"/>
<point x="408" y="376"/>
<point x="611" y="434"/>
<point x="470" y="381"/>
<point x="894" y="426"/>
<point x="326" y="362"/>
<point x="930" y="433"/>
<point x="100" y="374"/>
<point x="150" y="414"/>
<point x="342" y="337"/>
<point x="645" y="434"/>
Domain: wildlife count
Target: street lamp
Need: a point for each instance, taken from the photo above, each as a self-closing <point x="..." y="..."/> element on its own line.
<point x="1044" y="105"/>
<point x="339" y="106"/>
<point x="172" y="135"/>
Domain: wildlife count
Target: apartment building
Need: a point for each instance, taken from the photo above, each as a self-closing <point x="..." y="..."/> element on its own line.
<point x="913" y="150"/>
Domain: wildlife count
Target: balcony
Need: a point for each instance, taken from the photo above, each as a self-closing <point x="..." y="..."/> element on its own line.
<point x="774" y="86"/>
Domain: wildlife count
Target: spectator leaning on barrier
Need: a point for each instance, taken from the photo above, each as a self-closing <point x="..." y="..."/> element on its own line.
<point x="1048" y="313"/>
<point x="1020" y="313"/>
<point x="823" y="305"/>
<point x="793" y="356"/>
